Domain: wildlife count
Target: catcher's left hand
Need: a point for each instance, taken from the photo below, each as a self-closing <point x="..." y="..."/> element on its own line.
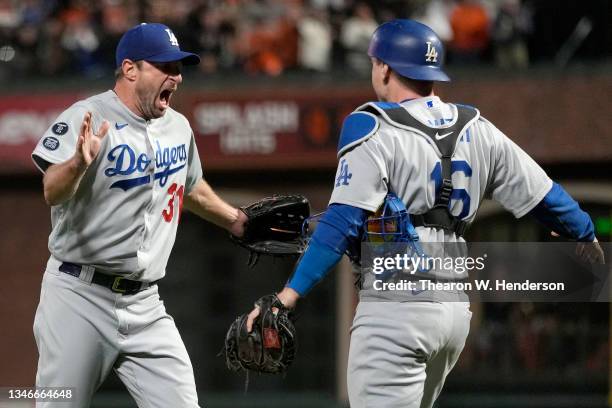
<point x="269" y="347"/>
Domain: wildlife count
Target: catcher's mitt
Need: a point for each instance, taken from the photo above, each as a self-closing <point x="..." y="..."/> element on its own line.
<point x="270" y="347"/>
<point x="274" y="226"/>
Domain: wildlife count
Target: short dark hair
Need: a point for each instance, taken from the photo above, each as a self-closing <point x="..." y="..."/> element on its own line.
<point x="119" y="70"/>
<point x="423" y="88"/>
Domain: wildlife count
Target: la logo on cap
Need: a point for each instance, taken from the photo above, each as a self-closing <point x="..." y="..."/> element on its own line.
<point x="152" y="42"/>
<point x="172" y="37"/>
<point x="431" y="54"/>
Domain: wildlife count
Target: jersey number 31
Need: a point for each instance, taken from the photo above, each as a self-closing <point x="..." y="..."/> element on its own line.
<point x="175" y="192"/>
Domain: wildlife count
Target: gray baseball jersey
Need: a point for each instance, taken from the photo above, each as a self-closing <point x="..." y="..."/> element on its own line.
<point x="485" y="163"/>
<point x="401" y="352"/>
<point x="124" y="216"/>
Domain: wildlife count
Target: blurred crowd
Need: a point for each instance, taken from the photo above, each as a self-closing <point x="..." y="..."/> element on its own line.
<point x="265" y="37"/>
<point x="521" y="340"/>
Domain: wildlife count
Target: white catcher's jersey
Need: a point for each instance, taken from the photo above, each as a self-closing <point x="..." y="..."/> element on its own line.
<point x="485" y="163"/>
<point x="124" y="216"/>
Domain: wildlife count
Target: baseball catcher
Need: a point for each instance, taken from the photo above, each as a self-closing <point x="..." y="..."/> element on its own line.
<point x="441" y="160"/>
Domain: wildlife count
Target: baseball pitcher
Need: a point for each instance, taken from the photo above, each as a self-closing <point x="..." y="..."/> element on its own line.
<point x="118" y="167"/>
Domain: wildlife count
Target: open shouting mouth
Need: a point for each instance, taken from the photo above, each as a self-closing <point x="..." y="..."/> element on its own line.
<point x="165" y="96"/>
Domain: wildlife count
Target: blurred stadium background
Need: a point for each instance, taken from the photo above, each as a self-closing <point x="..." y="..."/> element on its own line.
<point x="266" y="105"/>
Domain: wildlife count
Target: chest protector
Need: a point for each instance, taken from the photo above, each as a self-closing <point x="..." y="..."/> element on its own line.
<point x="445" y="139"/>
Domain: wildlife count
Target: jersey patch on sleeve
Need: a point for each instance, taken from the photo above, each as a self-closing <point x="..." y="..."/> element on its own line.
<point x="59" y="128"/>
<point x="357" y="127"/>
<point x="50" y="143"/>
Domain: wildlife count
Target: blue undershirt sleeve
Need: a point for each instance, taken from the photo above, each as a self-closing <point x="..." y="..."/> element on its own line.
<point x="562" y="214"/>
<point x="339" y="227"/>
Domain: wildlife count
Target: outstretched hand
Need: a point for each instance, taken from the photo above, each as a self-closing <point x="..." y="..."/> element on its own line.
<point x="589" y="252"/>
<point x="89" y="142"/>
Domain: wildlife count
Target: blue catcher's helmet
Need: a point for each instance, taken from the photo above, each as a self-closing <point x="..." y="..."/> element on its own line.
<point x="411" y="49"/>
<point x="391" y="227"/>
<point x="391" y="223"/>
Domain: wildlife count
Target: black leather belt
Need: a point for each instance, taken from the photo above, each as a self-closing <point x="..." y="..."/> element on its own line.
<point x="117" y="284"/>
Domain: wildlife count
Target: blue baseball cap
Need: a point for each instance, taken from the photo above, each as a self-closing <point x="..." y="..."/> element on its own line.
<point x="152" y="42"/>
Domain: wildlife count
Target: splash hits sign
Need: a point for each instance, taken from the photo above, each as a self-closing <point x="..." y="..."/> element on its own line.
<point x="250" y="128"/>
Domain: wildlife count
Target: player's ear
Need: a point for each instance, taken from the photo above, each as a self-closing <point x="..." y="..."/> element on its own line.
<point x="129" y="69"/>
<point x="386" y="73"/>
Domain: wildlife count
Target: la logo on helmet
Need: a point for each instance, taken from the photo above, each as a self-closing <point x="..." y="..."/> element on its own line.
<point x="173" y="39"/>
<point x="431" y="54"/>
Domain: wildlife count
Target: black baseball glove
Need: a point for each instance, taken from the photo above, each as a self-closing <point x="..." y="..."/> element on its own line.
<point x="270" y="347"/>
<point x="274" y="226"/>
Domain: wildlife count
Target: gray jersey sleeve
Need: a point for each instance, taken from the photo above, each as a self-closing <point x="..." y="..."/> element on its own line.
<point x="194" y="166"/>
<point x="361" y="177"/>
<point x="58" y="143"/>
<point x="518" y="183"/>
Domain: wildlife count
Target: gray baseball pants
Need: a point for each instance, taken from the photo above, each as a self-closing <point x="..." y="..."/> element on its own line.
<point x="401" y="353"/>
<point x="84" y="330"/>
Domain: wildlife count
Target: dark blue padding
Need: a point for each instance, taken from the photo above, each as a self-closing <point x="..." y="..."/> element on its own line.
<point x="340" y="226"/>
<point x="562" y="214"/>
<point x="357" y="127"/>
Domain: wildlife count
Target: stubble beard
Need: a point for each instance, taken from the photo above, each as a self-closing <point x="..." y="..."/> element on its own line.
<point x="146" y="100"/>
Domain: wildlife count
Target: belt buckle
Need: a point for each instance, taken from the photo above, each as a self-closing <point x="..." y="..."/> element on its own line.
<point x="116" y="282"/>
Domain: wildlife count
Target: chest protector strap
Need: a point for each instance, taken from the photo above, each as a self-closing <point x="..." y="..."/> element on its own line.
<point x="439" y="216"/>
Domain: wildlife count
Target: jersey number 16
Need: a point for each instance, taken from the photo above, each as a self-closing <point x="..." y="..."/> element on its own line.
<point x="458" y="193"/>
